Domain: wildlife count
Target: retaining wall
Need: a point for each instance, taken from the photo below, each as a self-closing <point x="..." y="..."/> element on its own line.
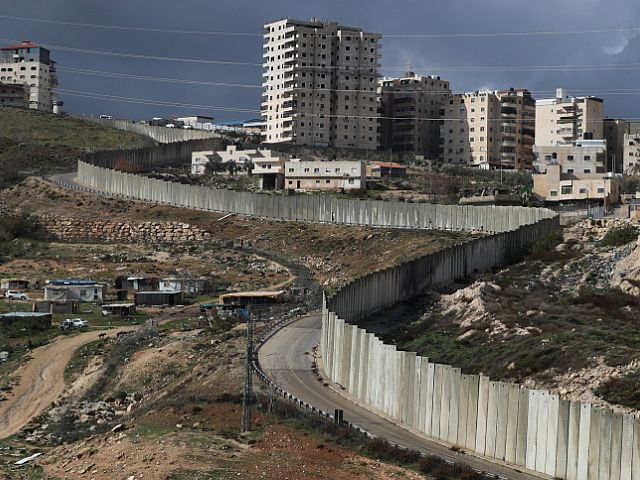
<point x="159" y="134"/>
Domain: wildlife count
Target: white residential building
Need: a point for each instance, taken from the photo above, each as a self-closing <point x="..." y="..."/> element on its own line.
<point x="583" y="157"/>
<point x="30" y="64"/>
<point x="241" y="158"/>
<point x="320" y="82"/>
<point x="334" y="175"/>
<point x="564" y="119"/>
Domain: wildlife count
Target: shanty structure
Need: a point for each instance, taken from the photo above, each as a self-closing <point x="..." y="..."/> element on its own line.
<point x="15" y="284"/>
<point x="190" y="286"/>
<point x="119" y="309"/>
<point x="82" y="290"/>
<point x="56" y="306"/>
<point x="252" y="298"/>
<point x="24" y="321"/>
<point x="167" y="298"/>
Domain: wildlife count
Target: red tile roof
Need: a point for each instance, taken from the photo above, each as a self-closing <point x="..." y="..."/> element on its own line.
<point x="24" y="44"/>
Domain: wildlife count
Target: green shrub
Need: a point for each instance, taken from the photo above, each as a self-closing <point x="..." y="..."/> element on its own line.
<point x="621" y="235"/>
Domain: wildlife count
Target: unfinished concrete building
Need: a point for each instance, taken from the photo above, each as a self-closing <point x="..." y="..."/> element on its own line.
<point x="410" y="114"/>
<point x="320" y="84"/>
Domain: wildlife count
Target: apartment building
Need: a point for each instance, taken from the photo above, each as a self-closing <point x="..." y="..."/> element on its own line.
<point x="320" y="84"/>
<point x="335" y="175"/>
<point x="631" y="149"/>
<point x="583" y="156"/>
<point x="556" y="186"/>
<point x="489" y="129"/>
<point x="30" y="65"/>
<point x="613" y="131"/>
<point x="13" y="95"/>
<point x="564" y="119"/>
<point x="410" y="109"/>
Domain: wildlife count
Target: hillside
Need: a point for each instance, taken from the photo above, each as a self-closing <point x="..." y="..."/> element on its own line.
<point x="39" y="143"/>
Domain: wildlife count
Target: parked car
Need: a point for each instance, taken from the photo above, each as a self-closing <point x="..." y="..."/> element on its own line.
<point x="170" y="125"/>
<point x="73" y="323"/>
<point x="16" y="295"/>
<point x="187" y="127"/>
<point x="106" y="117"/>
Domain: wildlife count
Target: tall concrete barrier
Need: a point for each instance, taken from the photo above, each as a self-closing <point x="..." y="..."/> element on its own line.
<point x="530" y="429"/>
<point x="159" y="134"/>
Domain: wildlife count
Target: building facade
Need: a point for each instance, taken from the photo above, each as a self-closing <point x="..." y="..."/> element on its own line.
<point x="554" y="186"/>
<point x="410" y="113"/>
<point x="565" y="119"/>
<point x="30" y="65"/>
<point x="14" y="95"/>
<point x="320" y="84"/>
<point x="613" y="131"/>
<point x="631" y="149"/>
<point x="311" y="176"/>
<point x="489" y="130"/>
<point x="583" y="157"/>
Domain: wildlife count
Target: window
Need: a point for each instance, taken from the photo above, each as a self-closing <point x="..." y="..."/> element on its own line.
<point x="570" y="170"/>
<point x="587" y="158"/>
<point x="583" y="191"/>
<point x="567" y="189"/>
<point x="553" y="193"/>
<point x="587" y="170"/>
<point x="600" y="190"/>
<point x="569" y="157"/>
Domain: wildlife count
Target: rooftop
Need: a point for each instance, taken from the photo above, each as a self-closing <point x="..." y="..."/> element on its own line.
<point x="24" y="314"/>
<point x="23" y="44"/>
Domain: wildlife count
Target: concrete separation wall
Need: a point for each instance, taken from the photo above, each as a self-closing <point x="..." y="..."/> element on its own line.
<point x="530" y="429"/>
<point x="159" y="134"/>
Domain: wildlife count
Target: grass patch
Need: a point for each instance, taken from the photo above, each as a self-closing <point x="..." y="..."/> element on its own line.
<point x="618" y="236"/>
<point x="81" y="358"/>
<point x="622" y="391"/>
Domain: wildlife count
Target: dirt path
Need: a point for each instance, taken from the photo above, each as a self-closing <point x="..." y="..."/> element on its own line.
<point x="42" y="380"/>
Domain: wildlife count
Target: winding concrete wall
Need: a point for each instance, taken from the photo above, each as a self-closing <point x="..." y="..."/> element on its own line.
<point x="530" y="429"/>
<point x="159" y="134"/>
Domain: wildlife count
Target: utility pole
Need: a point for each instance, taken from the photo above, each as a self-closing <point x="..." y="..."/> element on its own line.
<point x="248" y="380"/>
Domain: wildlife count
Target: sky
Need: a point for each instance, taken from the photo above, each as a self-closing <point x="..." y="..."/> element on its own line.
<point x="609" y="61"/>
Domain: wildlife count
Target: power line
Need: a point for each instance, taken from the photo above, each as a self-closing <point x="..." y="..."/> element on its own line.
<point x="388" y="35"/>
<point x="101" y="96"/>
<point x="372" y="69"/>
<point x="102" y="73"/>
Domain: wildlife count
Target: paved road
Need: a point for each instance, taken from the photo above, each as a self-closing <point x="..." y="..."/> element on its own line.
<point x="286" y="358"/>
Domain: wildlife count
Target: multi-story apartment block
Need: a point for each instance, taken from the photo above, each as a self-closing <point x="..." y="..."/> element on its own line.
<point x="308" y="176"/>
<point x="29" y="64"/>
<point x="584" y="156"/>
<point x="13" y="95"/>
<point x="613" y="132"/>
<point x="320" y="82"/>
<point x="410" y="109"/>
<point x="564" y="119"/>
<point x="489" y="129"/>
<point x="556" y="186"/>
<point x="631" y="148"/>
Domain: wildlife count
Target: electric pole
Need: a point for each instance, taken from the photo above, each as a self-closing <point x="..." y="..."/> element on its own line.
<point x="248" y="380"/>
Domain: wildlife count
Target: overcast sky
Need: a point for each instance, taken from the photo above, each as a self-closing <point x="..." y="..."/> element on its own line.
<point x="423" y="55"/>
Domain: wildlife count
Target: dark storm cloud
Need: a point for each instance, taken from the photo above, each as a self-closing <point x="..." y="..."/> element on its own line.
<point x="425" y="55"/>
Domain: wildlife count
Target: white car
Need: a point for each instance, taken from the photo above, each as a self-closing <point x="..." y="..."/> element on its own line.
<point x="170" y="125"/>
<point x="72" y="323"/>
<point x="16" y="295"/>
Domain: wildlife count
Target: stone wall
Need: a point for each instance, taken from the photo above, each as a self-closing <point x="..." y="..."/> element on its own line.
<point x="125" y="232"/>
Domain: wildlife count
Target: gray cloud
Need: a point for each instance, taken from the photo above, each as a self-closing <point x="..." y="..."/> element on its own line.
<point x="402" y="16"/>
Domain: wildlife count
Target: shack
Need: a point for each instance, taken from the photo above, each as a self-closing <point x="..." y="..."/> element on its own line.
<point x="21" y="322"/>
<point x="190" y="286"/>
<point x="168" y="298"/>
<point x="119" y="309"/>
<point x="82" y="290"/>
<point x="56" y="306"/>
<point x="253" y="298"/>
<point x="137" y="283"/>
<point x="16" y="284"/>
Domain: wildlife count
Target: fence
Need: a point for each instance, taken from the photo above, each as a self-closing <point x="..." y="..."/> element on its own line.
<point x="159" y="134"/>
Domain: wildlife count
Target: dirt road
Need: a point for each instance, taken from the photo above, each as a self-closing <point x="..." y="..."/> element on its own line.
<point x="42" y="380"/>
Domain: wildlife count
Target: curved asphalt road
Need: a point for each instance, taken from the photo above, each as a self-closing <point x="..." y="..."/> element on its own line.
<point x="286" y="357"/>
